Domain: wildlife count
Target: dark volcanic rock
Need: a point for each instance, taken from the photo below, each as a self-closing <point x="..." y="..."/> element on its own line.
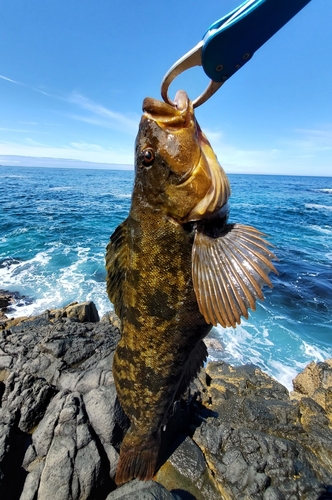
<point x="9" y="299"/>
<point x="257" y="443"/>
<point x="263" y="444"/>
<point x="238" y="436"/>
<point x="139" y="490"/>
<point x="5" y="300"/>
<point x="58" y="409"/>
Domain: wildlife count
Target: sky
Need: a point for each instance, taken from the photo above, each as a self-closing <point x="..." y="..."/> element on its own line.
<point x="74" y="73"/>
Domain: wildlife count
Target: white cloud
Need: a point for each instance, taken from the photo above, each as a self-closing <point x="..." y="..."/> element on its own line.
<point x="305" y="152"/>
<point x="2" y="77"/>
<point x="7" y="129"/>
<point x="111" y="118"/>
<point x="10" y="80"/>
<point x="76" y="151"/>
<point x="84" y="146"/>
<point x="314" y="139"/>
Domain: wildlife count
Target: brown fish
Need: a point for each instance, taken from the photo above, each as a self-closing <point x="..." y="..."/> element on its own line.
<point x="174" y="269"/>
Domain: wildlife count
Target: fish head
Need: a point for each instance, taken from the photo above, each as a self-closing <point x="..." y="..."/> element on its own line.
<point x="176" y="169"/>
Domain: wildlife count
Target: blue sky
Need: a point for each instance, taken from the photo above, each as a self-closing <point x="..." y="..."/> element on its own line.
<point x="73" y="75"/>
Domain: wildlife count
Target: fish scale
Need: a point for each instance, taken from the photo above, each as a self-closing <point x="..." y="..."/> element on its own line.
<point x="147" y="318"/>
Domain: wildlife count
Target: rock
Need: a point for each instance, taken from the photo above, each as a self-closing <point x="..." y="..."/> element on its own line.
<point x="48" y="441"/>
<point x="72" y="464"/>
<point x="261" y="445"/>
<point x="188" y="469"/>
<point x="238" y="434"/>
<point x="316" y="382"/>
<point x="257" y="443"/>
<point x="112" y="318"/>
<point x="83" y="312"/>
<point x="6" y="299"/>
<point x="139" y="490"/>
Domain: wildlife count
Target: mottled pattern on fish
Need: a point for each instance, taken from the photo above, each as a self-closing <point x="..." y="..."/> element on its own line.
<point x="174" y="268"/>
<point x="161" y="324"/>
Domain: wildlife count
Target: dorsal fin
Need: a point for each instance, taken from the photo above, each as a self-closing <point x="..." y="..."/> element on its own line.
<point x="116" y="267"/>
<point x="229" y="272"/>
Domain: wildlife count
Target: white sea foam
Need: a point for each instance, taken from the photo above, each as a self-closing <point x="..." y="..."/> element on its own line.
<point x="283" y="373"/>
<point x="11" y="176"/>
<point x="56" y="298"/>
<point x="123" y="196"/>
<point x="320" y="229"/>
<point x="17" y="272"/>
<point x="324" y="190"/>
<point x="280" y="353"/>
<point x="20" y="230"/>
<point x="245" y="343"/>
<point x="265" y="334"/>
<point x="314" y="353"/>
<point x="62" y="188"/>
<point x="49" y="290"/>
<point x="318" y="207"/>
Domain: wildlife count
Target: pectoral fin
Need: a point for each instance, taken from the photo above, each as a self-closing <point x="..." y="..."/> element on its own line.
<point x="116" y="267"/>
<point x="229" y="272"/>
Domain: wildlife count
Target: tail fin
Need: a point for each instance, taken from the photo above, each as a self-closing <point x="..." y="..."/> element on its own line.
<point x="138" y="457"/>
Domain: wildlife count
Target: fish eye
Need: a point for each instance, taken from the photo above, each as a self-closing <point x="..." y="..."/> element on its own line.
<point x="148" y="156"/>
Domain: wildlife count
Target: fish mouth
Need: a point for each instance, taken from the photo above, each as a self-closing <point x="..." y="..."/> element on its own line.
<point x="170" y="117"/>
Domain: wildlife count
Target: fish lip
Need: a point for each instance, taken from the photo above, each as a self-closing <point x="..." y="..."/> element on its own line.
<point x="167" y="117"/>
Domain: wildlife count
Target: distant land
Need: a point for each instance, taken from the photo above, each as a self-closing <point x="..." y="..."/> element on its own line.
<point x="34" y="161"/>
<point x="31" y="161"/>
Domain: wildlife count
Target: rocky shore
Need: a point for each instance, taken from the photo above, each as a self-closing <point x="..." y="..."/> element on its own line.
<point x="238" y="434"/>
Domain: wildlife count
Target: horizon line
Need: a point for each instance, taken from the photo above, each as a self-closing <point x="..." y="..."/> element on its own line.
<point x="130" y="168"/>
<point x="50" y="162"/>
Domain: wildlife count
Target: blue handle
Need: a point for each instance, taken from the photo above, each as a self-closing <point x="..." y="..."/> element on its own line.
<point x="231" y="42"/>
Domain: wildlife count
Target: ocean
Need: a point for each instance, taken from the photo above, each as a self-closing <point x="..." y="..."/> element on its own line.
<point x="56" y="222"/>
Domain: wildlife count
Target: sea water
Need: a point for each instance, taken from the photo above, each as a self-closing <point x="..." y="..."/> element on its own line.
<point x="55" y="224"/>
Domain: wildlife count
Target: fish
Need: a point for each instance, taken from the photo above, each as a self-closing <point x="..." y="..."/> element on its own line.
<point x="175" y="268"/>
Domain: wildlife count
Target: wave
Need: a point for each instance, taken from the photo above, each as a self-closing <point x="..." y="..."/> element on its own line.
<point x="8" y="262"/>
<point x="321" y="229"/>
<point x="55" y="298"/>
<point x="318" y="207"/>
<point x="55" y="278"/>
<point x="285" y="374"/>
<point x="324" y="190"/>
<point x="12" y="176"/>
<point x="14" y="272"/>
<point x="315" y="353"/>
<point x="123" y="196"/>
<point x="62" y="188"/>
<point x="271" y="343"/>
